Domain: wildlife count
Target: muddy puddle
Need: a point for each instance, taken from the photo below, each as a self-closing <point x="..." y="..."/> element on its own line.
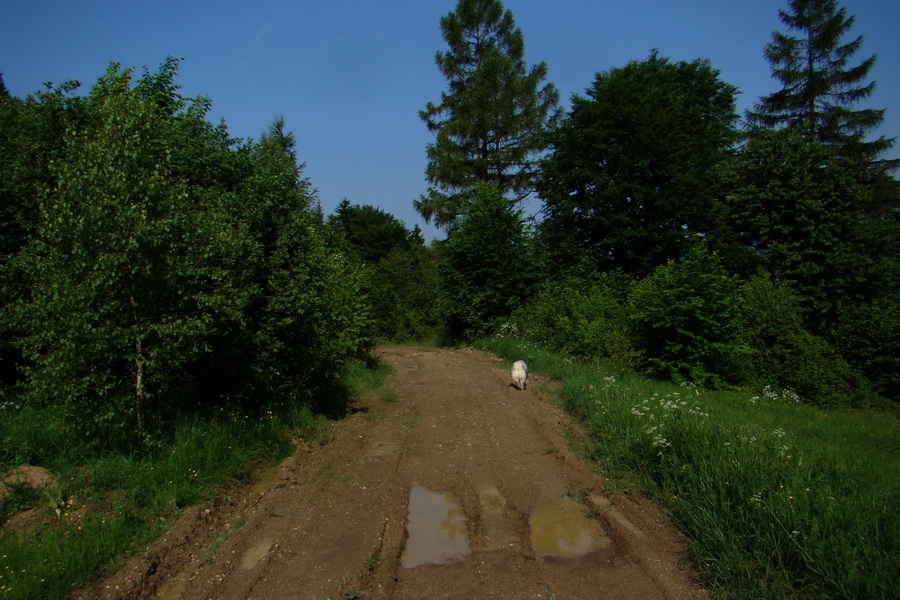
<point x="172" y="590"/>
<point x="436" y="529"/>
<point x="265" y="482"/>
<point x="560" y="528"/>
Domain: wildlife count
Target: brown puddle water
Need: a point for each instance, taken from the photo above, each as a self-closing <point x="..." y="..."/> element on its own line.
<point x="265" y="482"/>
<point x="172" y="590"/>
<point x="436" y="528"/>
<point x="560" y="528"/>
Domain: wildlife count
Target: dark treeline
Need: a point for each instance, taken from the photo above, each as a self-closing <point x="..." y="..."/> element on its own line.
<point x="675" y="238"/>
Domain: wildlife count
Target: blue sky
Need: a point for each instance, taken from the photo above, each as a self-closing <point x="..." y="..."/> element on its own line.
<point x="349" y="76"/>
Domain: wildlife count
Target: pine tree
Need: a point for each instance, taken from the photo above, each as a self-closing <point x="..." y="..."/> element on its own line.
<point x="490" y="126"/>
<point x="819" y="86"/>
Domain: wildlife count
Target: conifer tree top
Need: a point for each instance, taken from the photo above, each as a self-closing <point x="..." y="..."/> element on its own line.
<point x="491" y="121"/>
<point x="820" y="85"/>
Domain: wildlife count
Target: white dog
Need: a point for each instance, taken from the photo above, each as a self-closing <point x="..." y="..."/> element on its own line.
<point x="520" y="374"/>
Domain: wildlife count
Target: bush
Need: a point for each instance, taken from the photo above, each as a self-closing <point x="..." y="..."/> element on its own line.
<point x="784" y="353"/>
<point x="685" y="317"/>
<point x="583" y="318"/>
<point x="868" y="337"/>
<point x="168" y="271"/>
<point x="405" y="294"/>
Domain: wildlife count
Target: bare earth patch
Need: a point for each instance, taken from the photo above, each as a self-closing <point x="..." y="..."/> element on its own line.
<point x="37" y="478"/>
<point x="497" y="507"/>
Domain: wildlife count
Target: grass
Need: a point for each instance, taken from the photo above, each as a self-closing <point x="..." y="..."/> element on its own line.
<point x="359" y="377"/>
<point x="778" y="499"/>
<point x="111" y="504"/>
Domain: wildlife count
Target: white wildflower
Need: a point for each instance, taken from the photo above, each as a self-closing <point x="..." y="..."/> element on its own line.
<point x="660" y="442"/>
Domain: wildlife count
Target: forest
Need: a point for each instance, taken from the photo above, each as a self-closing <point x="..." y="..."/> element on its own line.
<point x="158" y="276"/>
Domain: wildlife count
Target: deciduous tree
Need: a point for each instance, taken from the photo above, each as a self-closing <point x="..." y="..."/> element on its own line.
<point x="632" y="177"/>
<point x="487" y="265"/>
<point x="130" y="276"/>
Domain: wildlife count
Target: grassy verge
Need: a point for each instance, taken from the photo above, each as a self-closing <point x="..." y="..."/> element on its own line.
<point x="105" y="507"/>
<point x="778" y="499"/>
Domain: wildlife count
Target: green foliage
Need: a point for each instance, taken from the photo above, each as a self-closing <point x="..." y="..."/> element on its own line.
<point x="799" y="215"/>
<point x="129" y="273"/>
<point x="583" y="318"/>
<point x="313" y="318"/>
<point x="32" y="134"/>
<point x="686" y="320"/>
<point x="633" y="174"/>
<point x="166" y="269"/>
<point x="405" y="294"/>
<point x="490" y="126"/>
<point x="868" y="337"/>
<point x="309" y="316"/>
<point x="779" y="500"/>
<point x="784" y="353"/>
<point x="402" y="283"/>
<point x="487" y="266"/>
<point x="370" y="232"/>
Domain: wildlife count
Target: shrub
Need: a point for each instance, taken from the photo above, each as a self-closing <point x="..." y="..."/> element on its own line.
<point x="583" y="318"/>
<point x="784" y="353"/>
<point x="685" y="317"/>
<point x="868" y="337"/>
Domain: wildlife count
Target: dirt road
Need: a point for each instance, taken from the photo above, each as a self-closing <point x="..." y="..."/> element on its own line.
<point x="458" y="486"/>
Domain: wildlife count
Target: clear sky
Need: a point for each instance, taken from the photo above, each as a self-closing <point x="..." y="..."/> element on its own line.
<point x="349" y="76"/>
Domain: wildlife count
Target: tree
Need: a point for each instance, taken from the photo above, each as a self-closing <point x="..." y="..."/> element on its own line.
<point x="155" y="266"/>
<point x="784" y="353"/>
<point x="798" y="214"/>
<point x="32" y="138"/>
<point x="405" y="294"/>
<point x="402" y="281"/>
<point x="819" y="86"/>
<point x="307" y="316"/>
<point x="370" y="232"/>
<point x="490" y="125"/>
<point x="130" y="275"/>
<point x="487" y="267"/>
<point x="632" y="177"/>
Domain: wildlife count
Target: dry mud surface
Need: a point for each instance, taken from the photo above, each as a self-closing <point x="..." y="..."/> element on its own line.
<point x="462" y="486"/>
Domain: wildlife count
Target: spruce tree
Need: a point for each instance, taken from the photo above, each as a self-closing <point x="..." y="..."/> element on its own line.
<point x="820" y="85"/>
<point x="490" y="125"/>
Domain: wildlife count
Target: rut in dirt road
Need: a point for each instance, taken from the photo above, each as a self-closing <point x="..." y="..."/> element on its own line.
<point x="464" y="487"/>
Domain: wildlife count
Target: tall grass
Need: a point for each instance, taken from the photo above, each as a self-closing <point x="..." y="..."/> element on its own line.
<point x="110" y="504"/>
<point x="779" y="500"/>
